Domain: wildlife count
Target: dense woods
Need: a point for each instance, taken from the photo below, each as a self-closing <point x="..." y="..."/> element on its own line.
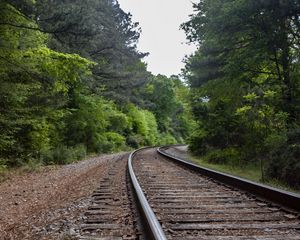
<point x="245" y="82"/>
<point x="72" y="82"/>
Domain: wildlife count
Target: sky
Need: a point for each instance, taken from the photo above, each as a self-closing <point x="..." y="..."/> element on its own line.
<point x="161" y="37"/>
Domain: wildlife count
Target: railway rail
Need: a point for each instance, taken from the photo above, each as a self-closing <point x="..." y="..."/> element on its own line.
<point x="111" y="214"/>
<point x="182" y="201"/>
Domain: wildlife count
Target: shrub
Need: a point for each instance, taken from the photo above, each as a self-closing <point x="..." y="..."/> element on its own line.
<point x="197" y="142"/>
<point x="131" y="141"/>
<point x="137" y="122"/>
<point x="116" y="141"/>
<point x="224" y="156"/>
<point x="3" y="166"/>
<point x="63" y="154"/>
<point x="285" y="166"/>
<point x="118" y="122"/>
<point x="143" y="126"/>
<point x="166" y="139"/>
<point x="32" y="165"/>
<point x="79" y="152"/>
<point x="135" y="141"/>
<point x="152" y="135"/>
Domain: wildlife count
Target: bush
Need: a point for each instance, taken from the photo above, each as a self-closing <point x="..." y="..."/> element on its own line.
<point x="3" y="166"/>
<point x="63" y="154"/>
<point x="32" y="165"/>
<point x="118" y="122"/>
<point x="285" y="166"/>
<point x="143" y="127"/>
<point x="166" y="139"/>
<point x="79" y="152"/>
<point x="197" y="142"/>
<point x="115" y="140"/>
<point x="132" y="141"/>
<point x="152" y="135"/>
<point x="135" y="141"/>
<point x="283" y="153"/>
<point x="224" y="156"/>
<point x="87" y="123"/>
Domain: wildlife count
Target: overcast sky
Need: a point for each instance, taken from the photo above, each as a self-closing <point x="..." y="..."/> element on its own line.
<point x="161" y="37"/>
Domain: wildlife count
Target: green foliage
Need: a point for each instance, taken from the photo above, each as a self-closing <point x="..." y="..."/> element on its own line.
<point x="144" y="126"/>
<point x="116" y="142"/>
<point x="223" y="156"/>
<point x="167" y="98"/>
<point x="244" y="81"/>
<point x="72" y="83"/>
<point x="161" y="93"/>
<point x="137" y="120"/>
<point x="118" y="122"/>
<point x="86" y="123"/>
<point x="152" y="134"/>
<point x="283" y="157"/>
<point x="32" y="165"/>
<point x="103" y="32"/>
<point x="197" y="142"/>
<point x="63" y="155"/>
<point x="167" y="139"/>
<point x="3" y="167"/>
<point x="34" y="83"/>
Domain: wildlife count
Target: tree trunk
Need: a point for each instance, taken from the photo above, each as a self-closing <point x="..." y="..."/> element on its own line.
<point x="288" y="88"/>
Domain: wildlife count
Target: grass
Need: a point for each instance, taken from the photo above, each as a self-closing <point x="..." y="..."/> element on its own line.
<point x="3" y="173"/>
<point x="6" y="173"/>
<point x="250" y="172"/>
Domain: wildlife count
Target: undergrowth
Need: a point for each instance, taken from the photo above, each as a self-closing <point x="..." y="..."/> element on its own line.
<point x="250" y="172"/>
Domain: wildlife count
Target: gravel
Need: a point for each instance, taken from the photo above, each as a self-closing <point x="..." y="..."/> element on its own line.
<point x="49" y="203"/>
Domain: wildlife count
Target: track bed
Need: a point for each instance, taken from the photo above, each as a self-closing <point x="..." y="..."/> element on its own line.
<point x="111" y="213"/>
<point x="191" y="206"/>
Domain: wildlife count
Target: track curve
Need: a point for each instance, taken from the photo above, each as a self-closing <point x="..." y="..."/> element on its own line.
<point x="286" y="199"/>
<point x="189" y="205"/>
<point x="154" y="226"/>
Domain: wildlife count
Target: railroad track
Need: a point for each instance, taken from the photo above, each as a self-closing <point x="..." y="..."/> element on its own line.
<point x="111" y="214"/>
<point x="181" y="201"/>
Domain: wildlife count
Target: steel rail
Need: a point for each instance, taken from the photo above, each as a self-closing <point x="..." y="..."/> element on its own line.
<point x="153" y="224"/>
<point x="285" y="199"/>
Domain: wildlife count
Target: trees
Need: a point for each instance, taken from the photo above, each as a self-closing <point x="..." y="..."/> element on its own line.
<point x="72" y="82"/>
<point x="245" y="77"/>
<point x="167" y="99"/>
<point x="103" y="33"/>
<point x="34" y="83"/>
<point x="160" y="93"/>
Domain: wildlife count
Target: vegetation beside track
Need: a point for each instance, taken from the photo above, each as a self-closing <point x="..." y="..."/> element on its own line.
<point x="73" y="83"/>
<point x="245" y="81"/>
<point x="251" y="172"/>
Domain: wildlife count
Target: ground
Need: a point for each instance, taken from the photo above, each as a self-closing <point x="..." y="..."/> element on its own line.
<point x="48" y="203"/>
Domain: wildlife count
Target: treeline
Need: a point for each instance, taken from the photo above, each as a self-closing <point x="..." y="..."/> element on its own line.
<point x="72" y="82"/>
<point x="245" y="84"/>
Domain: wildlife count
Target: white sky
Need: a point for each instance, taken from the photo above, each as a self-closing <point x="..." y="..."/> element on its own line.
<point x="161" y="37"/>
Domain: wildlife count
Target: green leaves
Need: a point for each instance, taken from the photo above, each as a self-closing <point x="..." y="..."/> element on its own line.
<point x="33" y="78"/>
<point x="72" y="82"/>
<point x="246" y="67"/>
<point x="63" y="69"/>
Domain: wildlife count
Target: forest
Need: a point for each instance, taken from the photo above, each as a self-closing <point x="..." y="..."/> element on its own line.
<point x="245" y="84"/>
<point x="73" y="83"/>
